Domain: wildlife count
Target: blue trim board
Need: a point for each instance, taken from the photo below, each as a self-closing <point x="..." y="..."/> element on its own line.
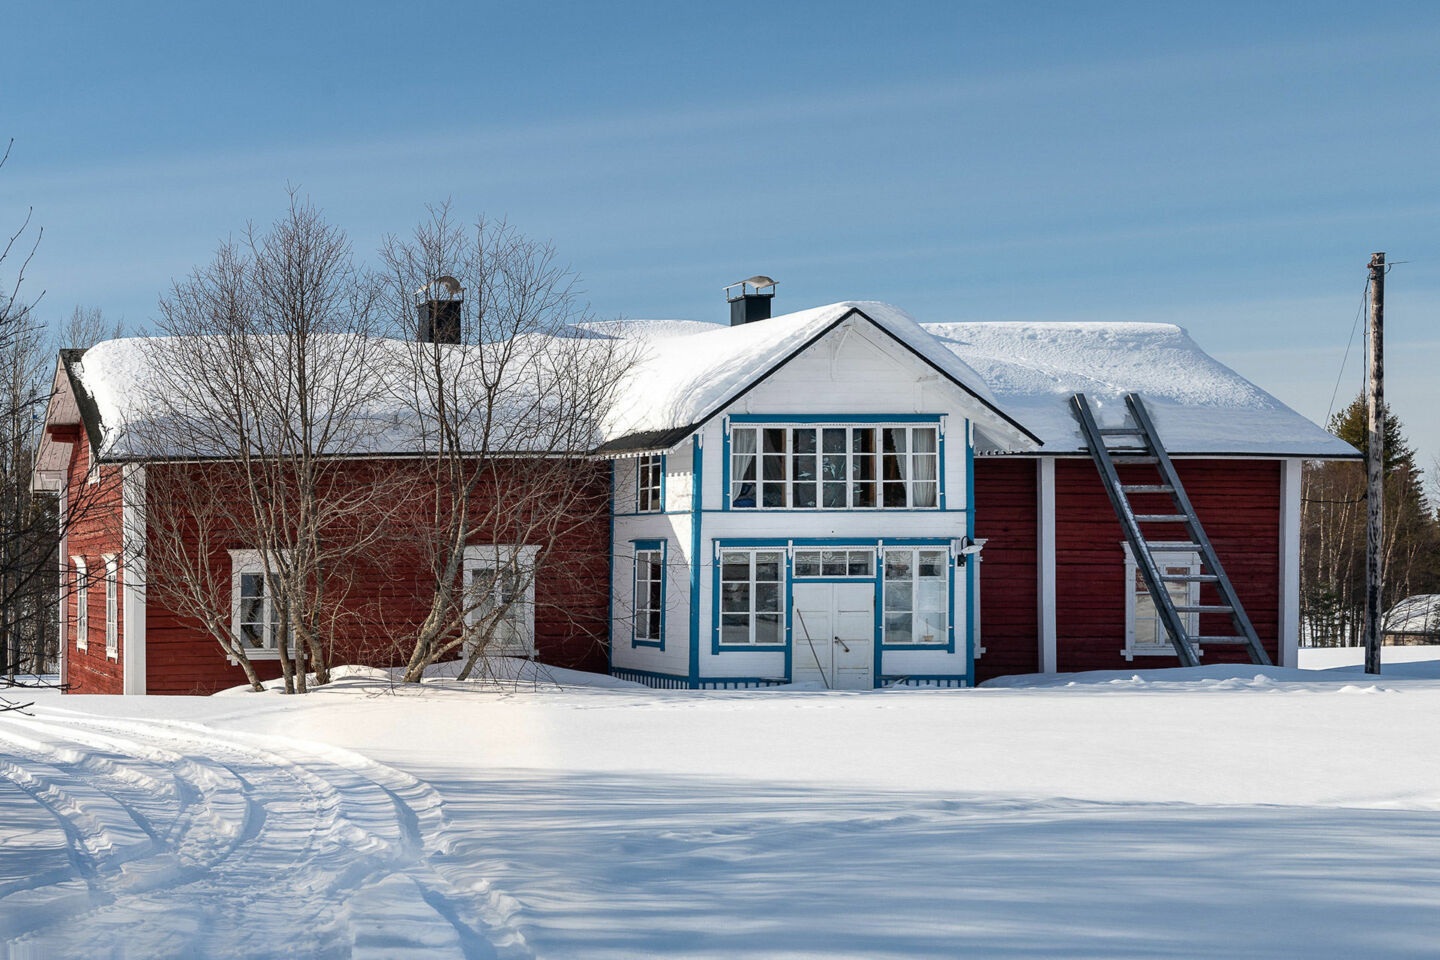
<point x="610" y="576"/>
<point x="664" y="547"/>
<point x="972" y="570"/>
<point x="697" y="490"/>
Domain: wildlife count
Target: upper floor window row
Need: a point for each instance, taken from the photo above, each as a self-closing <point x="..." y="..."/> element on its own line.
<point x="834" y="467"/>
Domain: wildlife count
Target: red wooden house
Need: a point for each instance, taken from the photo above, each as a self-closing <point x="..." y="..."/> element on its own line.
<point x="840" y="496"/>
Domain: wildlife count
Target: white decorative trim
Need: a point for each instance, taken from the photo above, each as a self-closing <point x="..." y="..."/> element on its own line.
<point x="1045" y="561"/>
<point x="497" y="555"/>
<point x="1289" y="573"/>
<point x="248" y="561"/>
<point x="132" y="513"/>
<point x="1161" y="648"/>
<point x="112" y="606"/>
<point x="82" y="602"/>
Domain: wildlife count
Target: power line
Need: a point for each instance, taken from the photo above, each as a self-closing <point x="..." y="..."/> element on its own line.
<point x="1348" y="344"/>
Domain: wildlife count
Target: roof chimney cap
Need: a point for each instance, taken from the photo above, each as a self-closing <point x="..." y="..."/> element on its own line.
<point x="443" y="284"/>
<point x="750" y="287"/>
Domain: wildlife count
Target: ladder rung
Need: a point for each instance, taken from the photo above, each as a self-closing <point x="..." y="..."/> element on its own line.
<point x="1161" y="518"/>
<point x="1147" y="488"/>
<point x="1135" y="459"/>
<point x="1206" y="640"/>
<point x="1189" y="578"/>
<point x="1204" y="608"/>
<point x="1171" y="545"/>
<point x="1121" y="431"/>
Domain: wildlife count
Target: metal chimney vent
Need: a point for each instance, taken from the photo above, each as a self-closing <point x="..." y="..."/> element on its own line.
<point x="438" y="304"/>
<point x="750" y="299"/>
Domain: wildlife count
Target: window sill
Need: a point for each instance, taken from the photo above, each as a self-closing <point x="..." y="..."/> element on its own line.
<point x="749" y="648"/>
<point x="656" y="644"/>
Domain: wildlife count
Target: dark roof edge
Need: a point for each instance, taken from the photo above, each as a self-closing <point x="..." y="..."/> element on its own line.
<point x="89" y="411"/>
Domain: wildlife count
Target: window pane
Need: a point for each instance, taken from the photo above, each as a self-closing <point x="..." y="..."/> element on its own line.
<point x="735" y="597"/>
<point x="802" y="440"/>
<point x="734" y="628"/>
<point x="930" y="595"/>
<point x="735" y="567"/>
<point x="899" y="595"/>
<point x="897" y="564"/>
<point x="835" y="493"/>
<point x="897" y="628"/>
<point x="1147" y="631"/>
<point x="861" y="563"/>
<point x="833" y="440"/>
<point x="807" y="563"/>
<point x="253" y="584"/>
<point x="925" y="494"/>
<point x="932" y="563"/>
<point x="774" y="441"/>
<point x="767" y="628"/>
<point x="862" y="495"/>
<point x="767" y="566"/>
<point x="773" y="495"/>
<point x="767" y="596"/>
<point x="653" y="625"/>
<point x="923" y="439"/>
<point x="802" y="495"/>
<point x="930" y="628"/>
<point x="742" y="467"/>
<point x="833" y="563"/>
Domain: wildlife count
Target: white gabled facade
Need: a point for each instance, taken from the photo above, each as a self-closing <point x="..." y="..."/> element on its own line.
<point x="846" y="596"/>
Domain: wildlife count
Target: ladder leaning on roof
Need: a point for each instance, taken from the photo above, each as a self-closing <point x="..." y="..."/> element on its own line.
<point x="1146" y="448"/>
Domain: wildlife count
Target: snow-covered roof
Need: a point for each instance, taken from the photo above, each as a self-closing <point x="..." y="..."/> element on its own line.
<point x="688" y="372"/>
<point x="681" y="373"/>
<point x="1199" y="405"/>
<point x="139" y="398"/>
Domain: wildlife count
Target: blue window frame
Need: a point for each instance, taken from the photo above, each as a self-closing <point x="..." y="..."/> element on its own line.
<point x="649" y="594"/>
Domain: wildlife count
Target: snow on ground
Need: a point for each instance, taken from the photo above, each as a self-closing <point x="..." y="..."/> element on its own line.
<point x="1219" y="812"/>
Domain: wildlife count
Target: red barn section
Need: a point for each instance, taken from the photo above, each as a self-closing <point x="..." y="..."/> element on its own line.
<point x="1238" y="502"/>
<point x="94" y="534"/>
<point x="385" y="590"/>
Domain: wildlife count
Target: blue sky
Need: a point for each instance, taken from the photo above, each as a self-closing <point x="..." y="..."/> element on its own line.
<point x="1228" y="167"/>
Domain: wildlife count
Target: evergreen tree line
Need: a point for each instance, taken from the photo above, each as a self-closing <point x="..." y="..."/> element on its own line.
<point x="1332" y="545"/>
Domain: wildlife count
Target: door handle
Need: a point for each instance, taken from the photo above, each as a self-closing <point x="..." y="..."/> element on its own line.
<point x="843" y="645"/>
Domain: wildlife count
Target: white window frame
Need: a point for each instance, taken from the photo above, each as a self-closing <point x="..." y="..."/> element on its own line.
<point x="82" y="603"/>
<point x="498" y="557"/>
<point x="650" y="484"/>
<point x="112" y="607"/>
<point x="251" y="562"/>
<point x="915" y="580"/>
<point x="1162" y="647"/>
<point x="753" y="613"/>
<point x="642" y="607"/>
<point x="801" y="557"/>
<point x="909" y="457"/>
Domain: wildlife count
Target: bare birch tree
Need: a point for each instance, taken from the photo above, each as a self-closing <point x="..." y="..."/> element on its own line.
<point x="506" y="414"/>
<point x="260" y="395"/>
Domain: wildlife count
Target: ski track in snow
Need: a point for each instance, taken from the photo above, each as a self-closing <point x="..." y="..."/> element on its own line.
<point x="181" y="842"/>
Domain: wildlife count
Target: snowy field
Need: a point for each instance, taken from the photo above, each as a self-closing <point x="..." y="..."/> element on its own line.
<point x="1216" y="812"/>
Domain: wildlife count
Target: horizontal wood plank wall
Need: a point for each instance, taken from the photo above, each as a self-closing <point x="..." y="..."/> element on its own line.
<point x="1238" y="502"/>
<point x="1006" y="516"/>
<point x="387" y="594"/>
<point x="94" y="513"/>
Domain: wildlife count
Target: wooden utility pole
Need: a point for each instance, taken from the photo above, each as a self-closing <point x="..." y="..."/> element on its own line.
<point x="1375" y="466"/>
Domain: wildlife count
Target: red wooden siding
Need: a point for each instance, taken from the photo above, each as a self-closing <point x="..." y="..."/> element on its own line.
<point x="1239" y="505"/>
<point x="1005" y="514"/>
<point x="1238" y="502"/>
<point x="387" y="594"/>
<point x="94" y="531"/>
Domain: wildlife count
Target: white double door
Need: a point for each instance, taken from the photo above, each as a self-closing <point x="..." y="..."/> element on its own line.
<point x="833" y="635"/>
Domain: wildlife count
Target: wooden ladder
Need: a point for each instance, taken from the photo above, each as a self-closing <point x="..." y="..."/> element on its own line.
<point x="1145" y="448"/>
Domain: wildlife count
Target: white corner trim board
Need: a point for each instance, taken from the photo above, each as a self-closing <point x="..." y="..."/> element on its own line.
<point x="132" y="525"/>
